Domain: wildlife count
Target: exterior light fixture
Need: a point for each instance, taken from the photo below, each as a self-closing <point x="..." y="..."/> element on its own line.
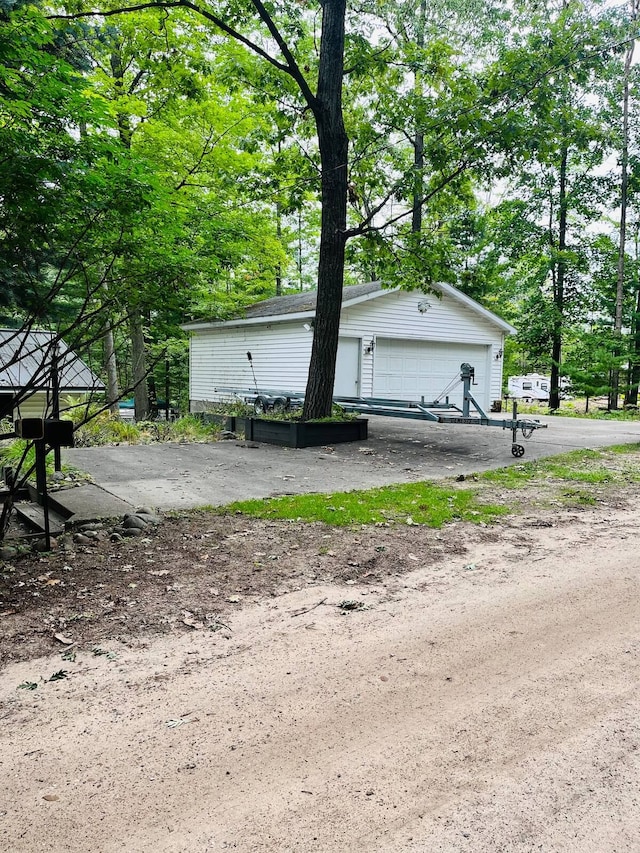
<point x="369" y="348"/>
<point x="423" y="306"/>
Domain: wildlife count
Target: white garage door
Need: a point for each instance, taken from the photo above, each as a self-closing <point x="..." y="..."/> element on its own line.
<point x="409" y="370"/>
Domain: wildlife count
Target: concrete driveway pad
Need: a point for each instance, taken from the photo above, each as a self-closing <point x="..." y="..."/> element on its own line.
<point x="177" y="476"/>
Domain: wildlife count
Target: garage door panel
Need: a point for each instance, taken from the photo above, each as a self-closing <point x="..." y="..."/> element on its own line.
<point x="410" y="370"/>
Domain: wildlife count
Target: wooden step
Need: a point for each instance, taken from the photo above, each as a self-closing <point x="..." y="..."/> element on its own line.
<point x="33" y="514"/>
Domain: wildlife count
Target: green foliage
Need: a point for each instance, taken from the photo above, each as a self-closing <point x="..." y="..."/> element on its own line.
<point x="105" y="428"/>
<point x="20" y="455"/>
<point x="578" y="466"/>
<point x="153" y="168"/>
<point x="188" y="428"/>
<point x="415" y="503"/>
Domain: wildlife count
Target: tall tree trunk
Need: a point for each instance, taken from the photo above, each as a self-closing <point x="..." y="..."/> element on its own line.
<point x="634" y="358"/>
<point x="139" y="367"/>
<point x="418" y="139"/>
<point x="558" y="296"/>
<point x="333" y="145"/>
<point x="634" y="354"/>
<point x="624" y="186"/>
<point x="138" y="356"/>
<point x="614" y="391"/>
<point x="111" y="367"/>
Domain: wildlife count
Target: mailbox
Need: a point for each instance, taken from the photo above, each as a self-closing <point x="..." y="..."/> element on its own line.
<point x="56" y="432"/>
<point x="32" y="428"/>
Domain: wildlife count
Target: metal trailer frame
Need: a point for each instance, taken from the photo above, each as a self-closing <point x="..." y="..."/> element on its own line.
<point x="471" y="413"/>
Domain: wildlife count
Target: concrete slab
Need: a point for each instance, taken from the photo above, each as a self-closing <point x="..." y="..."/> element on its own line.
<point x="88" y="502"/>
<point x="176" y="476"/>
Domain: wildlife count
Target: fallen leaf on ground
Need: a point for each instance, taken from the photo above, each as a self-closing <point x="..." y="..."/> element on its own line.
<point x="348" y="605"/>
<point x="180" y="721"/>
<point x="61" y="638"/>
<point x="190" y="622"/>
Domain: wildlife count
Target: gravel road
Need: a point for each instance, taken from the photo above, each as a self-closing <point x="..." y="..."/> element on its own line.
<point x="488" y="703"/>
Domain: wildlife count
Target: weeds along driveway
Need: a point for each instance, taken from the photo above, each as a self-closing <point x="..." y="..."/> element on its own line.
<point x="178" y="476"/>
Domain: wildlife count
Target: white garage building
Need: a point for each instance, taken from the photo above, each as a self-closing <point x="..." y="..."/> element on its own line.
<point x="393" y="343"/>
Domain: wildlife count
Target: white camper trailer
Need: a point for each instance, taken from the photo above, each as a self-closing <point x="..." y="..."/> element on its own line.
<point x="531" y="388"/>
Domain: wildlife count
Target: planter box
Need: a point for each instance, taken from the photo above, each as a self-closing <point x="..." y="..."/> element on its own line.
<point x="303" y="433"/>
<point x="234" y="423"/>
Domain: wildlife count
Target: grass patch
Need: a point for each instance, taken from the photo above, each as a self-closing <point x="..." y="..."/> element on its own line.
<point x="561" y="480"/>
<point x="413" y="503"/>
<point x="577" y="497"/>
<point x="577" y="466"/>
<point x="624" y="448"/>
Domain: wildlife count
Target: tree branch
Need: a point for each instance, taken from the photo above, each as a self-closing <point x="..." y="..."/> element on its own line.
<point x="291" y="68"/>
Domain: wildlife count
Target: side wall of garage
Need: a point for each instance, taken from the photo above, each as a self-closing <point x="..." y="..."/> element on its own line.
<point x="218" y="359"/>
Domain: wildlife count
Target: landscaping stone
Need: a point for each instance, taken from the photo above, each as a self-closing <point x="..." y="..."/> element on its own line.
<point x="134" y="521"/>
<point x="92" y="525"/>
<point x="149" y="518"/>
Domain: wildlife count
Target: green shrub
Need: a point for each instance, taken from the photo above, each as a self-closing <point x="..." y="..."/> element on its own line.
<point x="105" y="428"/>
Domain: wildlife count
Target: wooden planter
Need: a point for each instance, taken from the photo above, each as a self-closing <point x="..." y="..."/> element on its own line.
<point x="305" y="433"/>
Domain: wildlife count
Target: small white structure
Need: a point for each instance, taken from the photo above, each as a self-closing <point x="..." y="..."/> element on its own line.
<point x="26" y="384"/>
<point x="393" y="344"/>
<point x="530" y="388"/>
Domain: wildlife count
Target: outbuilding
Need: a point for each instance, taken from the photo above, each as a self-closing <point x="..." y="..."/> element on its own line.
<point x="393" y="344"/>
<point x="28" y="359"/>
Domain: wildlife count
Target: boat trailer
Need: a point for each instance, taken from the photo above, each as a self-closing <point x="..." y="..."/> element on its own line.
<point x="436" y="411"/>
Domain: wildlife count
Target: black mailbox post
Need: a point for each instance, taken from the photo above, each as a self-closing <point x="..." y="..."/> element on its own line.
<point x="55" y="433"/>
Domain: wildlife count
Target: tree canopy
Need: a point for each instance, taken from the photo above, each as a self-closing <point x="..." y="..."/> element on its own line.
<point x="172" y="159"/>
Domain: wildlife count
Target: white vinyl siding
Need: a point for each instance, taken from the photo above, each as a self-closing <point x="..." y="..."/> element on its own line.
<point x="281" y="349"/>
<point x="38" y="405"/>
<point x="218" y="359"/>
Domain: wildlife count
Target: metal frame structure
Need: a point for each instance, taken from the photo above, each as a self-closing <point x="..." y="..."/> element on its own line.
<point x="435" y="411"/>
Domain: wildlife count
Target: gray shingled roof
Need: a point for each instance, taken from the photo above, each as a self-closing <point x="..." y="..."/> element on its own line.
<point x="299" y="303"/>
<point x="25" y="359"/>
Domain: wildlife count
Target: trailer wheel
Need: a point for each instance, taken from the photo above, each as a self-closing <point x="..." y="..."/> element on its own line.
<point x="280" y="405"/>
<point x="517" y="450"/>
<point x="260" y="405"/>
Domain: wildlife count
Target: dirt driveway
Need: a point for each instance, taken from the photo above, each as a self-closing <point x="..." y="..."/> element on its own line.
<point x="170" y="476"/>
<point x="480" y="694"/>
